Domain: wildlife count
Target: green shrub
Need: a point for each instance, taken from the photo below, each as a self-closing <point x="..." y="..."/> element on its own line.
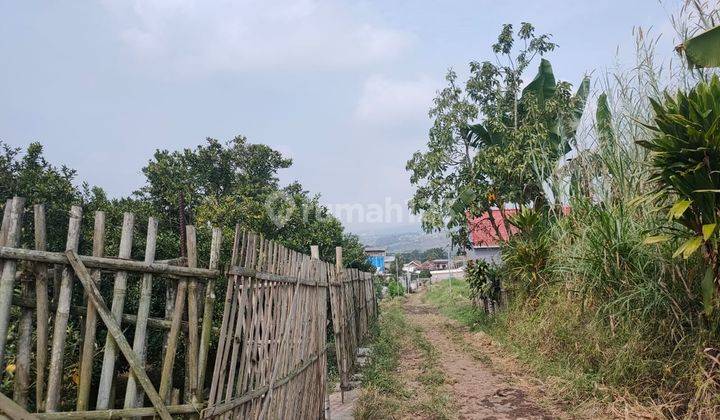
<point x="484" y="280"/>
<point x="395" y="289"/>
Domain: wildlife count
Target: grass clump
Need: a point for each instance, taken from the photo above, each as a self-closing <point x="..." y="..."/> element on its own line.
<point x="383" y="391"/>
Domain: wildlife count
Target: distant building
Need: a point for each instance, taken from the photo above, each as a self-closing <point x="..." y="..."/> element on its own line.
<point x="412" y="267"/>
<point x="376" y="258"/>
<point x="484" y="240"/>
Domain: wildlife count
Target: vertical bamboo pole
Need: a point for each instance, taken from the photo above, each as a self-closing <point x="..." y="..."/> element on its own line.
<point x="208" y="311"/>
<point x="107" y="373"/>
<point x="43" y="309"/>
<point x="172" y="341"/>
<point x="12" y="239"/>
<point x="192" y="295"/>
<point x="5" y="220"/>
<point x="62" y="314"/>
<point x="22" y="355"/>
<point x="88" y="350"/>
<point x="132" y="399"/>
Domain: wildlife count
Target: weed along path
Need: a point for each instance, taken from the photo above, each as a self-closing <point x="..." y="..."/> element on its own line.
<point x="478" y="391"/>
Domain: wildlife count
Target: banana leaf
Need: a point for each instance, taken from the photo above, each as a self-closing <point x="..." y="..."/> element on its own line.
<point x="704" y="50"/>
<point x="543" y="85"/>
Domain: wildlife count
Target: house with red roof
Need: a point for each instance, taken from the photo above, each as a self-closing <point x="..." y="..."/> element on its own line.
<point x="484" y="238"/>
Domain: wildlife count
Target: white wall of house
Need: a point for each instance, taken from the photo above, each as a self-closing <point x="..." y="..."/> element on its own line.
<point x="489" y="254"/>
<point x="455" y="273"/>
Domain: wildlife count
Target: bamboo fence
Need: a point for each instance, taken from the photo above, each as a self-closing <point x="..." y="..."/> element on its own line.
<point x="268" y="356"/>
<point x="354" y="307"/>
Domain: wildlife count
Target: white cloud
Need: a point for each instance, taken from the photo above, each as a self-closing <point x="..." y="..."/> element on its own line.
<point x="384" y="100"/>
<point x="192" y="36"/>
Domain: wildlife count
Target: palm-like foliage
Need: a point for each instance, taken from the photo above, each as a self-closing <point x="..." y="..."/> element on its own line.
<point x="685" y="162"/>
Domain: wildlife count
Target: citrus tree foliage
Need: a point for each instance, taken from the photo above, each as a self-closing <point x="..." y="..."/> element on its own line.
<point x="492" y="141"/>
<point x="222" y="183"/>
<point x="685" y="165"/>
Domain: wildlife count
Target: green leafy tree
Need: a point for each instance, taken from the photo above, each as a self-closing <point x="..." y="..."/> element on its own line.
<point x="508" y="155"/>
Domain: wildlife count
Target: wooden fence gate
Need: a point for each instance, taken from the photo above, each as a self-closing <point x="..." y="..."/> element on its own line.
<point x="268" y="355"/>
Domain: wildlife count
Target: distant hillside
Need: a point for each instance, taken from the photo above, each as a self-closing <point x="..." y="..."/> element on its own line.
<point x="405" y="241"/>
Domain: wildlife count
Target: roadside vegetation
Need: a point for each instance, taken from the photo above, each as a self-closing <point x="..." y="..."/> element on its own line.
<point x="612" y="283"/>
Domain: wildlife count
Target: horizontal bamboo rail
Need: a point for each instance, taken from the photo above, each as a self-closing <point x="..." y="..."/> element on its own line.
<point x="114" y="264"/>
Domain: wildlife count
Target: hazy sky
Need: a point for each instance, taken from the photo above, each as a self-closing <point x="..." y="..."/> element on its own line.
<point x="342" y="87"/>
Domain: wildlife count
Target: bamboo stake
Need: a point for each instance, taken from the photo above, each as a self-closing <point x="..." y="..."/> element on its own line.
<point x="11" y="238"/>
<point x="88" y="350"/>
<point x="5" y="220"/>
<point x="192" y="295"/>
<point x="169" y="357"/>
<point x="208" y="310"/>
<point x="132" y="399"/>
<point x="22" y="356"/>
<point x="61" y="315"/>
<point x="117" y="334"/>
<point x="43" y="310"/>
<point x="107" y="373"/>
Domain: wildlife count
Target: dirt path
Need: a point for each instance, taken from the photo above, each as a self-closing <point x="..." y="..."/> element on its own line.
<point x="480" y="389"/>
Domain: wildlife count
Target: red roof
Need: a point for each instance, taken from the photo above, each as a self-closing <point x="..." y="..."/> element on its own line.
<point x="482" y="232"/>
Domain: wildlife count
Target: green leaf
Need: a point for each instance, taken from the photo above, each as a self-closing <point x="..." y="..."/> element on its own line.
<point x="708" y="290"/>
<point x="691" y="245"/>
<point x="704" y="50"/>
<point x="680" y="250"/>
<point x="656" y="239"/>
<point x="677" y="210"/>
<point x="708" y="230"/>
<point x="603" y="119"/>
<point x="543" y="85"/>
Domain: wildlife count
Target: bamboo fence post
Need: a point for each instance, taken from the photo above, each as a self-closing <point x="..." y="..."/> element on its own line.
<point x="171" y="348"/>
<point x="208" y="311"/>
<point x="22" y="355"/>
<point x="192" y="336"/>
<point x="42" y="307"/>
<point x="61" y="315"/>
<point x="88" y="350"/>
<point x="132" y="399"/>
<point x="12" y="239"/>
<point x="115" y="331"/>
<point x="107" y="373"/>
<point x="5" y="220"/>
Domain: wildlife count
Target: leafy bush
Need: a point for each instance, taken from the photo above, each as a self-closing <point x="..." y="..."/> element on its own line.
<point x="484" y="280"/>
<point x="395" y="289"/>
<point x="525" y="256"/>
<point x="425" y="274"/>
<point x="685" y="162"/>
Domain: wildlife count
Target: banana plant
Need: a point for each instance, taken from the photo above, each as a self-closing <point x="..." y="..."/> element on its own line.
<point x="685" y="165"/>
